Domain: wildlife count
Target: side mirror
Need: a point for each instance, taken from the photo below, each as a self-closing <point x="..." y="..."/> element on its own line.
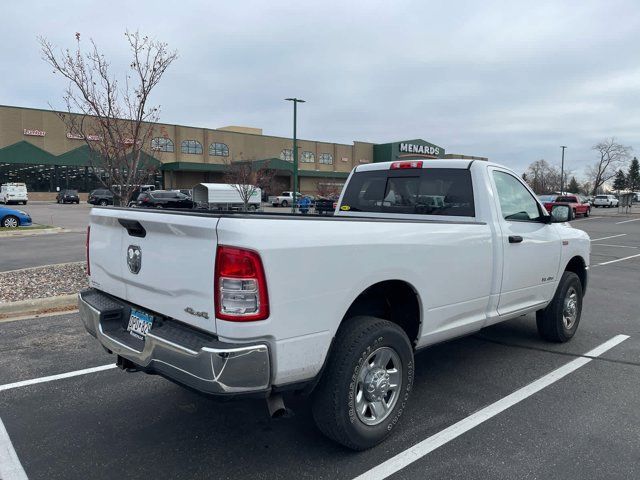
<point x="561" y="214"/>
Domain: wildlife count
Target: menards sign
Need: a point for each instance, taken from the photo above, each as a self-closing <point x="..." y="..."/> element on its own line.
<point x="420" y="149"/>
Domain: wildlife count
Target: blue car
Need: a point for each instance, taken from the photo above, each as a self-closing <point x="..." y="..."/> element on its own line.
<point x="12" y="218"/>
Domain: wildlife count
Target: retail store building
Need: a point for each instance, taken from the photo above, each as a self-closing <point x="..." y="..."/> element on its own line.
<point x="36" y="148"/>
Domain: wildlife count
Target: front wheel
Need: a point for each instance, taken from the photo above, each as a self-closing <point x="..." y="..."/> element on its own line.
<point x="284" y="204"/>
<point x="559" y="321"/>
<point x="10" y="222"/>
<point x="587" y="212"/>
<point x="366" y="384"/>
<point x="103" y="203"/>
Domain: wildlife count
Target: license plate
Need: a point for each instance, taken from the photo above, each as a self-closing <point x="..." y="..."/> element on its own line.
<point x="139" y="324"/>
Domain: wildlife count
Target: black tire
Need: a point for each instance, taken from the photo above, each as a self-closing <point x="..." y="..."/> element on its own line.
<point x="587" y="212"/>
<point x="334" y="398"/>
<point x="103" y="203"/>
<point x="549" y="321"/>
<point x="10" y="221"/>
<point x="284" y="204"/>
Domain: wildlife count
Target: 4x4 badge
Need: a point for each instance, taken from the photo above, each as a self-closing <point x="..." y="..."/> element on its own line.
<point x="134" y="258"/>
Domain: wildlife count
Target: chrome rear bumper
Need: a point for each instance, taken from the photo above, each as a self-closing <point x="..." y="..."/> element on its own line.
<point x="177" y="351"/>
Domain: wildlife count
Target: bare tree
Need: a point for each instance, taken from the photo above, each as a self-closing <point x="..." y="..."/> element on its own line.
<point x="542" y="177"/>
<point x="115" y="121"/>
<point x="612" y="156"/>
<point x="246" y="179"/>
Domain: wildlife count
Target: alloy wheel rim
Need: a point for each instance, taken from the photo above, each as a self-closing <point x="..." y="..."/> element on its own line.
<point x="378" y="386"/>
<point x="570" y="308"/>
<point x="10" y="223"/>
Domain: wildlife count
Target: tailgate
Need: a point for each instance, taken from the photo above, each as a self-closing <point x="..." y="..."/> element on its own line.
<point x="161" y="261"/>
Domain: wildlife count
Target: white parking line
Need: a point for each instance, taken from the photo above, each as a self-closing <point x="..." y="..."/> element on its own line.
<point x="427" y="446"/>
<point x="627" y="221"/>
<point x="607" y="238"/>
<point x="50" y="378"/>
<point x="618" y="260"/>
<point x="10" y="466"/>
<point x="610" y="245"/>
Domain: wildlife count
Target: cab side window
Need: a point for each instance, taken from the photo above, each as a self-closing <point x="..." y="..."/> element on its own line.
<point x="515" y="200"/>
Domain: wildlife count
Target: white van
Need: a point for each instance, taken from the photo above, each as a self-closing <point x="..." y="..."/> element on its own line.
<point x="14" y="193"/>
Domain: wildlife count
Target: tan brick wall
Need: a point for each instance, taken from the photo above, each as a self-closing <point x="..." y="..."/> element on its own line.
<point x="242" y="146"/>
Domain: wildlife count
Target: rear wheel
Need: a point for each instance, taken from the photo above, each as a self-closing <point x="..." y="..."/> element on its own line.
<point x="559" y="321"/>
<point x="366" y="384"/>
<point x="587" y="212"/>
<point x="10" y="222"/>
<point x="284" y="204"/>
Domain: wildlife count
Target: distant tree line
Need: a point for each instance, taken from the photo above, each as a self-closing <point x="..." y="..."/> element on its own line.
<point x="612" y="159"/>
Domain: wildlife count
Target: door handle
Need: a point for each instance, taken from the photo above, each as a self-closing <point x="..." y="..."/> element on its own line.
<point x="515" y="239"/>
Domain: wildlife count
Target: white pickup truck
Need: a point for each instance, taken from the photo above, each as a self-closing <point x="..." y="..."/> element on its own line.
<point x="284" y="200"/>
<point x="418" y="252"/>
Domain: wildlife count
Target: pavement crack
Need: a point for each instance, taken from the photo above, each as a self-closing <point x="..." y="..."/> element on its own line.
<point x="547" y="350"/>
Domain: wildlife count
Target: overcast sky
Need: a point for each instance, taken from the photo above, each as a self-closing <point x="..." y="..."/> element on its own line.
<point x="510" y="80"/>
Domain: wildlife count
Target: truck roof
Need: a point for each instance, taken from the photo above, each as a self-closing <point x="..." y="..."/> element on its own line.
<point x="426" y="163"/>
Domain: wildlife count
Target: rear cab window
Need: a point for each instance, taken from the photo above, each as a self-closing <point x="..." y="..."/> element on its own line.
<point x="420" y="191"/>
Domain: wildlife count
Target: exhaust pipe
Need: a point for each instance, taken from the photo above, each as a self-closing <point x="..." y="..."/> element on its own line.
<point x="275" y="405"/>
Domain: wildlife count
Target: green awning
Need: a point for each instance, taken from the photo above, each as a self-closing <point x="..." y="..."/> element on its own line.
<point x="25" y="152"/>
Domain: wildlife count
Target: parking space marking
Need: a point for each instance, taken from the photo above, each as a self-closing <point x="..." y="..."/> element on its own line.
<point x="607" y="238"/>
<point x="407" y="457"/>
<point x="10" y="466"/>
<point x="51" y="378"/>
<point x="617" y="260"/>
<point x="627" y="221"/>
<point x="611" y="245"/>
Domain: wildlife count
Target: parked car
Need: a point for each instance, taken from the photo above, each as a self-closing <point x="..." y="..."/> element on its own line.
<point x="435" y="249"/>
<point x="101" y="196"/>
<point x="577" y="204"/>
<point x="12" y="218"/>
<point x="14" y="193"/>
<point x="325" y="205"/>
<point x="68" y="196"/>
<point x="283" y="200"/>
<point x="605" y="201"/>
<point x="164" y="199"/>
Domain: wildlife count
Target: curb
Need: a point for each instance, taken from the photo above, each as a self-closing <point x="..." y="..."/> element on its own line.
<point x="37" y="305"/>
<point x="64" y="264"/>
<point x="28" y="233"/>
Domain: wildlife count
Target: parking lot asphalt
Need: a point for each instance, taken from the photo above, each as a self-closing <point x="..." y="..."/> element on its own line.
<point x="38" y="250"/>
<point x="112" y="424"/>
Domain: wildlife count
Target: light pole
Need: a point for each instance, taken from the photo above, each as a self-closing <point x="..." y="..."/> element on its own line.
<point x="295" y="151"/>
<point x="562" y="171"/>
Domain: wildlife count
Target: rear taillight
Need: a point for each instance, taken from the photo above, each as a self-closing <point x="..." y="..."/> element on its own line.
<point x="240" y="285"/>
<point x="408" y="164"/>
<point x="87" y="248"/>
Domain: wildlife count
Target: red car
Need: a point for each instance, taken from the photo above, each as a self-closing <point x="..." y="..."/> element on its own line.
<point x="579" y="206"/>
